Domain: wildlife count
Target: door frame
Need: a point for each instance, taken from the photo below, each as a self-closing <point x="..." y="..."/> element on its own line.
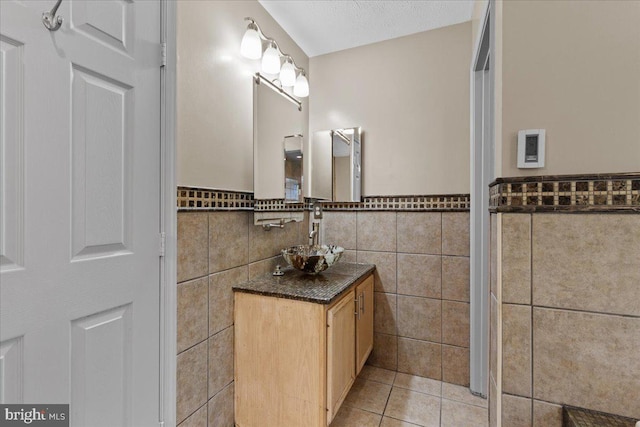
<point x="482" y="79"/>
<point x="168" y="217"/>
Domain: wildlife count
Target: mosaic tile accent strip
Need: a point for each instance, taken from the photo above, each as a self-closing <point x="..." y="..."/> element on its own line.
<point x="278" y="205"/>
<point x="211" y="200"/>
<point x="454" y="202"/>
<point x="204" y="199"/>
<point x="570" y="193"/>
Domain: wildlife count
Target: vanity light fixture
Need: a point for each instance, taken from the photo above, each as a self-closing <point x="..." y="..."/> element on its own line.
<point x="289" y="74"/>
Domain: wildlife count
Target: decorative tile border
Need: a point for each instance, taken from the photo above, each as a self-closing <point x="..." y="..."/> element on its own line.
<point x="211" y="200"/>
<point x="454" y="202"/>
<point x="566" y="193"/>
<point x="190" y="198"/>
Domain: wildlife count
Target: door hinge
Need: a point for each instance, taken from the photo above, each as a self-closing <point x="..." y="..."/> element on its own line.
<point x="163" y="240"/>
<point x="163" y="54"/>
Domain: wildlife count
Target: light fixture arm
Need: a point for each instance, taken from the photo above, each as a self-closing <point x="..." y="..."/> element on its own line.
<point x="275" y="44"/>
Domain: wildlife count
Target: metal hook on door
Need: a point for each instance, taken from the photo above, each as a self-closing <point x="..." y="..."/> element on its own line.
<point x="50" y="20"/>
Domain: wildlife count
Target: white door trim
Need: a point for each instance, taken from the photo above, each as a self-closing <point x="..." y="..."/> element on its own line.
<point x="481" y="159"/>
<point x="168" y="218"/>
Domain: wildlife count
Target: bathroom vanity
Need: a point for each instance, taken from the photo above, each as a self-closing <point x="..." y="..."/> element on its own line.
<point x="300" y="342"/>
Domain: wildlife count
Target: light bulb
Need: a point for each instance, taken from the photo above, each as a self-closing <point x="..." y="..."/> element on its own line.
<point x="251" y="46"/>
<point x="287" y="74"/>
<point x="301" y="89"/>
<point x="271" y="60"/>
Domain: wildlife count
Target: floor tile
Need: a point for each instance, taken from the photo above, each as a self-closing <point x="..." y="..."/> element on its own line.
<point x="416" y="383"/>
<point x="456" y="414"/>
<point x="392" y="422"/>
<point x="368" y="395"/>
<point x="380" y="375"/>
<point x="354" y="417"/>
<point x="417" y="408"/>
<point x="462" y="394"/>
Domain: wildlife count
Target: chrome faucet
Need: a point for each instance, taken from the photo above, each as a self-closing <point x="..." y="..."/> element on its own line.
<point x="313" y="235"/>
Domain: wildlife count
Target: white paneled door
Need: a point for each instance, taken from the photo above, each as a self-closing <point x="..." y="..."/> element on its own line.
<point x="80" y="209"/>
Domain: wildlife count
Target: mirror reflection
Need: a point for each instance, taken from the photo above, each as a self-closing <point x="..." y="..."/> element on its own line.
<point x="293" y="169"/>
<point x="335" y="165"/>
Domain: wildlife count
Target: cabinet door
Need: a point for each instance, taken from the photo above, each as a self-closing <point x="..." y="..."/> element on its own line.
<point x="364" y="322"/>
<point x="340" y="352"/>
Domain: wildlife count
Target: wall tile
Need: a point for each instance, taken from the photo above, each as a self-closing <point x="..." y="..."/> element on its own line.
<point x="420" y="358"/>
<point x="191" y="380"/>
<point x="265" y="266"/>
<point x="385" y="351"/>
<point x="266" y="244"/>
<point x="455" y="233"/>
<point x="455" y="278"/>
<point x="455" y="323"/>
<point x="193" y="249"/>
<point x="516" y="411"/>
<point x="455" y="365"/>
<point x="192" y="313"/>
<point x="228" y="240"/>
<point x="587" y="360"/>
<point x="384" y="318"/>
<point x="385" y="274"/>
<point x="221" y="297"/>
<point x="220" y="408"/>
<point x="420" y="232"/>
<point x="197" y="419"/>
<point x="376" y="231"/>
<point x="349" y="255"/>
<point x="516" y="349"/>
<point x="420" y="318"/>
<point x="546" y="414"/>
<point x="587" y="262"/>
<point x="493" y="255"/>
<point x="420" y="275"/>
<point x="493" y="404"/>
<point x="220" y="360"/>
<point x="493" y="337"/>
<point x="516" y="258"/>
<point x="340" y="229"/>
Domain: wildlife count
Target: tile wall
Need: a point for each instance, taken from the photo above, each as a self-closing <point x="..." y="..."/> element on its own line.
<point x="421" y="321"/>
<point x="216" y="250"/>
<point x="565" y="316"/>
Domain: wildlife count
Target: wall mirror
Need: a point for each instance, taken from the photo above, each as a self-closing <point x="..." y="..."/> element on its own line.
<point x="335" y="165"/>
<point x="277" y="144"/>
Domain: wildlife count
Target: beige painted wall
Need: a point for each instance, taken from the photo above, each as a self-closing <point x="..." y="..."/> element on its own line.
<point x="410" y="95"/>
<point x="572" y="68"/>
<point x="215" y="92"/>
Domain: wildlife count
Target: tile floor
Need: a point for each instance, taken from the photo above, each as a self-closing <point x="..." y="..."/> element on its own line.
<point x="383" y="398"/>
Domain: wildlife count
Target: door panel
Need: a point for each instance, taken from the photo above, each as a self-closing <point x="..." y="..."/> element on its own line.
<point x="11" y="154"/>
<point x="101" y="176"/>
<point x="79" y="306"/>
<point x="341" y="355"/>
<point x="103" y="340"/>
<point x="11" y="370"/>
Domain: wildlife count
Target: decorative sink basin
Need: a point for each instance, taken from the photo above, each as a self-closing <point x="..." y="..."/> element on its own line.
<point x="312" y="259"/>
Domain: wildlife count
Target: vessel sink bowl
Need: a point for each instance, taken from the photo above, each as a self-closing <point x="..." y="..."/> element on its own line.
<point x="312" y="259"/>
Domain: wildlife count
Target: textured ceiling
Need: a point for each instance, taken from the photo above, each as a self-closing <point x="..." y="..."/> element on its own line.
<point x="324" y="26"/>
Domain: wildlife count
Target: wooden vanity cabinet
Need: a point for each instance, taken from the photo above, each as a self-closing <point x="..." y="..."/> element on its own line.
<point x="295" y="361"/>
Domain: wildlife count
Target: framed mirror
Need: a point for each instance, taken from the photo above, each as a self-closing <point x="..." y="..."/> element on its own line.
<point x="277" y="143"/>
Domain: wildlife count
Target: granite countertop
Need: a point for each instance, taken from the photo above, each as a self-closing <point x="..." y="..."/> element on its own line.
<point x="323" y="288"/>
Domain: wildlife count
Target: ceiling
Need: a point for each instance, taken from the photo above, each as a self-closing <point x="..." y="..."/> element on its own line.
<point x="325" y="26"/>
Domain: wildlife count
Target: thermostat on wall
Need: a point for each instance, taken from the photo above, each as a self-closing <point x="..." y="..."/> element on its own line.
<point x="531" y="148"/>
